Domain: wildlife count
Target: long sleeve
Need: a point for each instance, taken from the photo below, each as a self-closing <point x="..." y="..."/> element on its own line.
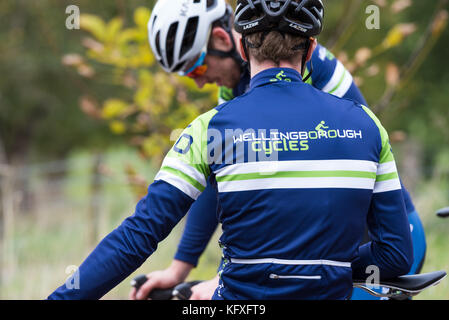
<point x="200" y="226"/>
<point x="180" y="181"/>
<point x="391" y="247"/>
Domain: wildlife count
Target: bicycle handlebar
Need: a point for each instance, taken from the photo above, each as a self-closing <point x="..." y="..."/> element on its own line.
<point x="182" y="291"/>
<point x="400" y="287"/>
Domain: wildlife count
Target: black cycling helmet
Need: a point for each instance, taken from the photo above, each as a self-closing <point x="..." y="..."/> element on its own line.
<point x="302" y="17"/>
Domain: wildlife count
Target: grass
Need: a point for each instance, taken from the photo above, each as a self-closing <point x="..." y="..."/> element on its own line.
<point x="432" y="196"/>
<point x="54" y="235"/>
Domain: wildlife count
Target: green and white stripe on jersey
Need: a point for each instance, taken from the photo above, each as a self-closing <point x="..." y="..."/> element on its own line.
<point x="186" y="165"/>
<point x="387" y="175"/>
<point x="182" y="176"/>
<point x="340" y="81"/>
<point x="381" y="176"/>
<point x="348" y="174"/>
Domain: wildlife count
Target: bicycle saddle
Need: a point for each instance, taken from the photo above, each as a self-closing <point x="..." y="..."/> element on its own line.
<point x="410" y="283"/>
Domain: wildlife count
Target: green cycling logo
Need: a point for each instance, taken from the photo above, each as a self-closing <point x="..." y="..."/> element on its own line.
<point x="281" y="77"/>
<point x="321" y="126"/>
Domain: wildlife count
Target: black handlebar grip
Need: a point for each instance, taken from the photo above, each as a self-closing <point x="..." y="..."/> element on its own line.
<point x="138" y="281"/>
<point x="183" y="291"/>
<point x="156" y="294"/>
<point x="161" y="294"/>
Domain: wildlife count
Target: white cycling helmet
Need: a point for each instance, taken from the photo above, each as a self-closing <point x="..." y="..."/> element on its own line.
<point x="179" y="30"/>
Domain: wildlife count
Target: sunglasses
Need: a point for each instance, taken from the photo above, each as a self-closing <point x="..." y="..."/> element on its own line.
<point x="198" y="69"/>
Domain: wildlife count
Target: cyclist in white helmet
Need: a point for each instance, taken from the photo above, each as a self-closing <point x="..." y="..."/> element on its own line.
<point x="195" y="38"/>
<point x="179" y="33"/>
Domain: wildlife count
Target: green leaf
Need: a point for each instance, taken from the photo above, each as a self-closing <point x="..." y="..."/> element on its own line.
<point x="142" y="16"/>
<point x="94" y="25"/>
<point x="113" y="108"/>
<point x="113" y="29"/>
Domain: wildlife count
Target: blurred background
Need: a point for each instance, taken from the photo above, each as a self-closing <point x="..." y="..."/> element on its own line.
<point x="86" y="117"/>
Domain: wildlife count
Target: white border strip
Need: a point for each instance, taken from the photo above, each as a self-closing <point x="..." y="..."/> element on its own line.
<point x="387" y="167"/>
<point x="292" y="262"/>
<point x="342" y="89"/>
<point x="185" y="168"/>
<point x="387" y="185"/>
<point x="336" y="77"/>
<point x="344" y="86"/>
<point x="178" y="183"/>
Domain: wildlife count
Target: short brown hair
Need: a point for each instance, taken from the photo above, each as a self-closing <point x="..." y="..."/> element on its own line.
<point x="275" y="47"/>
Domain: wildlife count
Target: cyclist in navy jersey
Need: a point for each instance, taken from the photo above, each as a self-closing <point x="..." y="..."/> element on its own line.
<point x="206" y="66"/>
<point x="328" y="159"/>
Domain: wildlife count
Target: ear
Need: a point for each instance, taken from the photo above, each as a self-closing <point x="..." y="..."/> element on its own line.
<point x="242" y="50"/>
<point x="220" y="39"/>
<point x="313" y="44"/>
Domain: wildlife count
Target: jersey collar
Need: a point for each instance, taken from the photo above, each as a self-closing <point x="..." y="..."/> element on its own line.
<point x="274" y="75"/>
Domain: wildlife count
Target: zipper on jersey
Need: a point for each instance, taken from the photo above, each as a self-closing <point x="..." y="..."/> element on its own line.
<point x="277" y="276"/>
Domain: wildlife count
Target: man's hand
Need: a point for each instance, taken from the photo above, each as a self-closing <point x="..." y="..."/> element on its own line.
<point x="170" y="277"/>
<point x="205" y="290"/>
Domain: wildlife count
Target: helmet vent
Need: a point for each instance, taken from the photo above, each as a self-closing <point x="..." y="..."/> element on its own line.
<point x="170" y="43"/>
<point x="158" y="44"/>
<point x="178" y="67"/>
<point x="189" y="35"/>
<point x="210" y="4"/>
<point x="275" y="5"/>
<point x="154" y="21"/>
<point x="303" y="18"/>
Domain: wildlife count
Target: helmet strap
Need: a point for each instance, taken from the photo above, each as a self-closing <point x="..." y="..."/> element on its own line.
<point x="229" y="54"/>
<point x="245" y="49"/>
<point x="304" y="61"/>
<point x="225" y="23"/>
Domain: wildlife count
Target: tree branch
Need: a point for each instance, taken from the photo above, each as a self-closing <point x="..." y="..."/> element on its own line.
<point x="422" y="50"/>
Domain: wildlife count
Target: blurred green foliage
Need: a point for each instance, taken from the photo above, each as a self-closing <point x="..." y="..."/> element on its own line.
<point x="91" y="88"/>
<point x="38" y="95"/>
<point x="106" y="70"/>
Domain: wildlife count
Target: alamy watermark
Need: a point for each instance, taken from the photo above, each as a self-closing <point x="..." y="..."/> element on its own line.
<point x="373" y="279"/>
<point x="73" y="281"/>
<point x="73" y="20"/>
<point x="373" y="19"/>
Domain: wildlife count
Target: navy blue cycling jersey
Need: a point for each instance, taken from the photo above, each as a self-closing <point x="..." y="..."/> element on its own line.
<point x="298" y="173"/>
<point x="329" y="75"/>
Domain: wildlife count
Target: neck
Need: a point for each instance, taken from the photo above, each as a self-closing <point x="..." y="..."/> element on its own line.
<point x="257" y="67"/>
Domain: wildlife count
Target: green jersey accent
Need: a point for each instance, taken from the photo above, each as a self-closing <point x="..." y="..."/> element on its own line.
<point x="186" y="164"/>
<point x="298" y="174"/>
<point x="309" y="81"/>
<point x="386" y="155"/>
<point x="225" y="94"/>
